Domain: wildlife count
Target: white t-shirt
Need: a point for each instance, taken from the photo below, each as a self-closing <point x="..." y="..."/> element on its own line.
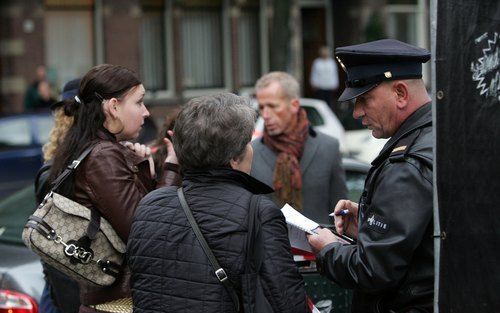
<point x="324" y="74"/>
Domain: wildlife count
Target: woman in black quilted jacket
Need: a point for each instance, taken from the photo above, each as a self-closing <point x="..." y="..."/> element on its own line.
<point x="170" y="271"/>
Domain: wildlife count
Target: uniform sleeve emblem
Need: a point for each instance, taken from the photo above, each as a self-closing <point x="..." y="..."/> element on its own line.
<point x="377" y="223"/>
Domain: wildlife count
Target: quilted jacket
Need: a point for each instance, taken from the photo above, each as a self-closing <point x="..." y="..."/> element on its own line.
<point x="171" y="273"/>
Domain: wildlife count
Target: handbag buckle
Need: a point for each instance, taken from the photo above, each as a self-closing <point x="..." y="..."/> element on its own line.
<point x="221" y="274"/>
<point x="70" y="250"/>
<point x="45" y="199"/>
<point x="74" y="164"/>
<point x="85" y="257"/>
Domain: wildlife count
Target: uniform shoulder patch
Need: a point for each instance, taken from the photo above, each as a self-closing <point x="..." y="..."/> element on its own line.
<point x="377" y="223"/>
<point x="398" y="149"/>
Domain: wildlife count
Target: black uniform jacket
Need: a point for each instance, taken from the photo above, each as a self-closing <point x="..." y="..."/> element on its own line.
<point x="392" y="265"/>
<point x="170" y="271"/>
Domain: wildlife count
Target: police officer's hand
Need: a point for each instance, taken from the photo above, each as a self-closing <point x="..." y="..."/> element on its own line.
<point x="324" y="237"/>
<point x="346" y="222"/>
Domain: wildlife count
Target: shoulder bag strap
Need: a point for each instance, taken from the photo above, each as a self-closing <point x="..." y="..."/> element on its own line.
<point x="70" y="168"/>
<point x="219" y="271"/>
<point x="95" y="217"/>
<point x="254" y="253"/>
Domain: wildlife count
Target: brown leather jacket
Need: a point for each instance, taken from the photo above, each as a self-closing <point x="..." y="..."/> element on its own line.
<point x="112" y="180"/>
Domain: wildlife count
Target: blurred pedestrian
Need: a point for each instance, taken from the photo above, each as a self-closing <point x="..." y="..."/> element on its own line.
<point x="107" y="110"/>
<point x="324" y="77"/>
<point x="38" y="95"/>
<point x="61" y="293"/>
<point x="391" y="268"/>
<point x="170" y="271"/>
<point x="303" y="165"/>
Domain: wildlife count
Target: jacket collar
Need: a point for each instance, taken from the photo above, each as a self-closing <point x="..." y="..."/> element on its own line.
<point x="105" y="135"/>
<point x="421" y="117"/>
<point x="228" y="175"/>
<point x="131" y="158"/>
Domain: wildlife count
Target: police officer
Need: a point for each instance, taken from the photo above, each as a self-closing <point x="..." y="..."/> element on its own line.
<point x="391" y="266"/>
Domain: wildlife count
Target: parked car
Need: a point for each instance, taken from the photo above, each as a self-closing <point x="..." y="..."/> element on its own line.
<point x="21" y="139"/>
<point x="21" y="277"/>
<point x="362" y="145"/>
<point x="320" y="116"/>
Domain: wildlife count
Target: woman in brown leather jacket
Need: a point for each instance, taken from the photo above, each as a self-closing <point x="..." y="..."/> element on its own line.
<point x="108" y="110"/>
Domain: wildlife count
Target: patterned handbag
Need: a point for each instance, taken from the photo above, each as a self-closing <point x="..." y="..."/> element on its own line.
<point x="73" y="238"/>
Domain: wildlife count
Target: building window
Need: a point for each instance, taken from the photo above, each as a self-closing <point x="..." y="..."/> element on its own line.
<point x="248" y="47"/>
<point x="202" y="51"/>
<point x="153" y="54"/>
<point x="401" y="23"/>
<point x="72" y="30"/>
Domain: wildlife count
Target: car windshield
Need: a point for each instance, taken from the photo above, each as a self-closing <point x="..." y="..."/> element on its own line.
<point x="15" y="132"/>
<point x="26" y="131"/>
<point x="43" y="127"/>
<point x="313" y="116"/>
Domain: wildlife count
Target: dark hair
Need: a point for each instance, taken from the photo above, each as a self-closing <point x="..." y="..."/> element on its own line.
<point x="161" y="152"/>
<point x="102" y="82"/>
<point x="211" y="130"/>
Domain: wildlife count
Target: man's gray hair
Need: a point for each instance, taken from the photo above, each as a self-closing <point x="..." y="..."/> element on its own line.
<point x="288" y="83"/>
<point x="212" y="130"/>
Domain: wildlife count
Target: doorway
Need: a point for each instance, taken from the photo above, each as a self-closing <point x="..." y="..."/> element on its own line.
<point x="313" y="37"/>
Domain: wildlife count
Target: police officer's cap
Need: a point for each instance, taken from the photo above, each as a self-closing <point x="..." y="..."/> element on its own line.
<point x="370" y="63"/>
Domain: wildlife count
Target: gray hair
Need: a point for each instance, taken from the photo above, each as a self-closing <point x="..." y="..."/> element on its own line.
<point x="288" y="83"/>
<point x="212" y="130"/>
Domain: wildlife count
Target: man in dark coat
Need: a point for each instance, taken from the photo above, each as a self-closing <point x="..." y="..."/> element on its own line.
<point x="391" y="266"/>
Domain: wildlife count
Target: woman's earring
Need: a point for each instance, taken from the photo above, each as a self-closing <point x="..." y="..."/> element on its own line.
<point x="115" y="126"/>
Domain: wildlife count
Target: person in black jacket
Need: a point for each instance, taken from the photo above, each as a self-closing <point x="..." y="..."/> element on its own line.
<point x="391" y="267"/>
<point x="170" y="271"/>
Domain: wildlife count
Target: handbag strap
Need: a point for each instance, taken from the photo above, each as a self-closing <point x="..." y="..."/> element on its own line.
<point x="70" y="168"/>
<point x="219" y="271"/>
<point x="95" y="217"/>
<point x="254" y="253"/>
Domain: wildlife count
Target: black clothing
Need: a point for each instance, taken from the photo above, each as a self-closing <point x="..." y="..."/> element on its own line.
<point x="171" y="273"/>
<point x="392" y="265"/>
<point x="42" y="186"/>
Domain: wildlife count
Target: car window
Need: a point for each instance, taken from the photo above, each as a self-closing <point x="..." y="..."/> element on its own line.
<point x="355" y="182"/>
<point x="42" y="127"/>
<point x="314" y="117"/>
<point x="14" y="212"/>
<point x="14" y="133"/>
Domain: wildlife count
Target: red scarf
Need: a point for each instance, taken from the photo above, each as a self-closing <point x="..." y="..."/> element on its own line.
<point x="287" y="178"/>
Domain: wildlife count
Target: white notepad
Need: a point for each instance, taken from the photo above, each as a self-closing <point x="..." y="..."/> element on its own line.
<point x="295" y="218"/>
<point x="298" y="226"/>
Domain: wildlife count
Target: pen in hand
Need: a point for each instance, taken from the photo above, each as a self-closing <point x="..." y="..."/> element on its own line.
<point x="339" y="213"/>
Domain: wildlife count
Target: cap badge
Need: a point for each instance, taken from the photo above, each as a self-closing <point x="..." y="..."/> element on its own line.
<point x="388" y="74"/>
<point x="341" y="64"/>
